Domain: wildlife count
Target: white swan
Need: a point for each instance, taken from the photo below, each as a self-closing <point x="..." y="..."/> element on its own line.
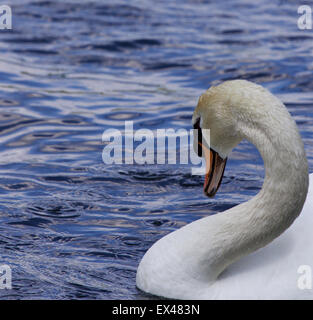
<point x="220" y="256"/>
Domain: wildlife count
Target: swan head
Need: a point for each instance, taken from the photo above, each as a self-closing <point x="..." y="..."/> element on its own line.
<point x="216" y="132"/>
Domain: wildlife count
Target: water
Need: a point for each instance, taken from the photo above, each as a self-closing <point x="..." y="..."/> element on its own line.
<point x="72" y="227"/>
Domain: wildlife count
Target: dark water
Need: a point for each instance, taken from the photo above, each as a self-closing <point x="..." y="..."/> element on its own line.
<point x="73" y="227"/>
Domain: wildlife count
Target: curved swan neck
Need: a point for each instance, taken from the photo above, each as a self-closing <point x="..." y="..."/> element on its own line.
<point x="286" y="168"/>
<point x="285" y="186"/>
<point x="253" y="224"/>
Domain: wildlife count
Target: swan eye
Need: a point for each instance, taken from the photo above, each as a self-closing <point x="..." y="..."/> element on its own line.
<point x="197" y="127"/>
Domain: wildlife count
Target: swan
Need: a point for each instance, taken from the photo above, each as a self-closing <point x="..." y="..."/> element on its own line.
<point x="232" y="255"/>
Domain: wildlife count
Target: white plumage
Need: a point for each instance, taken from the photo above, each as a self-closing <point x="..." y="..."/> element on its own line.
<point x="232" y="255"/>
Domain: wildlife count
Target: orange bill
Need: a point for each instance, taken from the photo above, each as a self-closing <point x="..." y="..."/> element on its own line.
<point x="215" y="166"/>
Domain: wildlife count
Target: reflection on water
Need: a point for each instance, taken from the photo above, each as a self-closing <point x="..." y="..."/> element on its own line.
<point x="73" y="227"/>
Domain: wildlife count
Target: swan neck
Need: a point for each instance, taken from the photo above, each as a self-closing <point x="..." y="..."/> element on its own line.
<point x="286" y="173"/>
<point x="255" y="223"/>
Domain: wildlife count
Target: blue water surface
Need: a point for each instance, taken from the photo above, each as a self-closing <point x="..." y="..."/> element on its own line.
<point x="72" y="227"/>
